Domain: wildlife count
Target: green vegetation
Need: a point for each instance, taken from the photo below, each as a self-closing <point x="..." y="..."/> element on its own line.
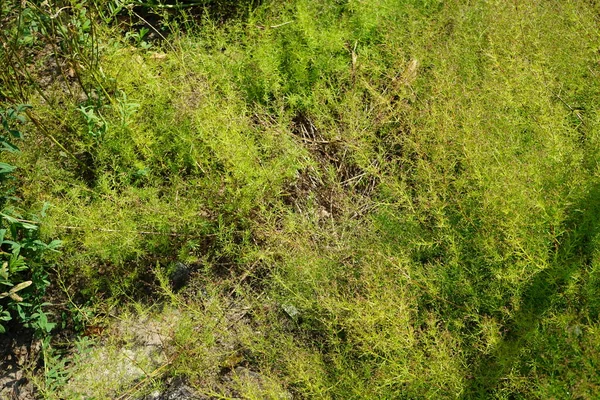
<point x="22" y="277"/>
<point x="391" y="199"/>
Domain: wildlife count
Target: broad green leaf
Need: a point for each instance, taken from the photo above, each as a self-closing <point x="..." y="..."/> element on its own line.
<point x="4" y="270"/>
<point x="28" y="226"/>
<point x="6" y="168"/>
<point x="15" y="247"/>
<point x="10" y="219"/>
<point x="15" y="221"/>
<point x="16" y="262"/>
<point x="20" y="286"/>
<point x="15" y="133"/>
<point x="15" y="297"/>
<point x="11" y="148"/>
<point x="44" y="209"/>
<point x="55" y="244"/>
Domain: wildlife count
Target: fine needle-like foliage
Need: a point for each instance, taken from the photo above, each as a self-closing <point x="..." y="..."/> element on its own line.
<point x="337" y="199"/>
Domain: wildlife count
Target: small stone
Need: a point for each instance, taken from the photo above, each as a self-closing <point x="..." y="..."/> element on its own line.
<point x="323" y="213"/>
<point x="180" y="275"/>
<point x="248" y="374"/>
<point x="291" y="311"/>
<point x="576" y="330"/>
<point x="177" y="390"/>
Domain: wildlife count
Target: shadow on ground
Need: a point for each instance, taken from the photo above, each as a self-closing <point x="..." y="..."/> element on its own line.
<point x="16" y="352"/>
<point x="573" y="253"/>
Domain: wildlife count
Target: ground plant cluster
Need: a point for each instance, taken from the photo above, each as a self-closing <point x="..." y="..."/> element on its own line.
<point x="333" y="199"/>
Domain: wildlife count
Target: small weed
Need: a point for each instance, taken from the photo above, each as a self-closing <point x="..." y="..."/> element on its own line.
<point x="22" y="276"/>
<point x="96" y="124"/>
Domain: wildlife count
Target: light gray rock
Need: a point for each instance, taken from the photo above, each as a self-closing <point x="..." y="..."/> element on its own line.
<point x="177" y="390"/>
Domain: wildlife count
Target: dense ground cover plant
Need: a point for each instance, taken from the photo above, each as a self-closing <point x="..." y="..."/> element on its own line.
<point x="357" y="199"/>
